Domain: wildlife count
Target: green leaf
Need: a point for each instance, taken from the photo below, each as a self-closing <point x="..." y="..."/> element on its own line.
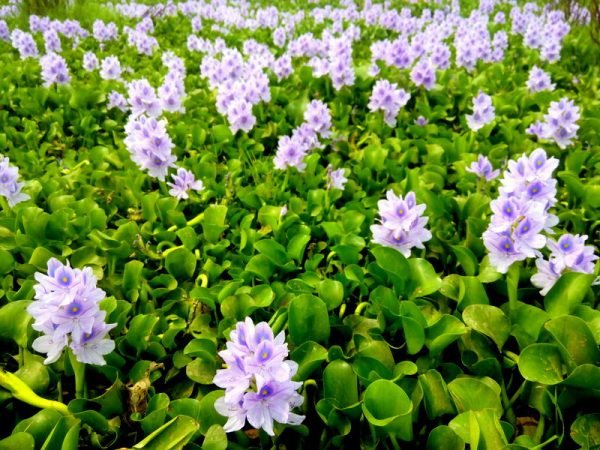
<point x="423" y="278"/>
<point x="395" y="264"/>
<point x="442" y="436"/>
<point x="173" y="435"/>
<point x="575" y="340"/>
<point x="331" y="292"/>
<point x="466" y="258"/>
<point x="14" y="321"/>
<point x="567" y="293"/>
<point x="443" y="333"/>
<point x="489" y="321"/>
<point x="386" y="405"/>
<point x="542" y="363"/>
<point x="436" y="395"/>
<point x="340" y="383"/>
<point x="309" y="357"/>
<point x="202" y="369"/>
<point x="19" y="440"/>
<point x="273" y="250"/>
<point x="213" y="223"/>
<point x="215" y="439"/>
<point x="140" y="329"/>
<point x="181" y="263"/>
<point x="473" y="394"/>
<point x="308" y="319"/>
<point x="585" y="431"/>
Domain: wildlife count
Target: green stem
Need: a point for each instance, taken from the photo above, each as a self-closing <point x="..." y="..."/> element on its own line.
<point x="512" y="285"/>
<point x="394" y="442"/>
<point x="361" y="306"/>
<point x="21" y="391"/>
<point x="539" y="432"/>
<point x="79" y="371"/>
<point x="546" y="442"/>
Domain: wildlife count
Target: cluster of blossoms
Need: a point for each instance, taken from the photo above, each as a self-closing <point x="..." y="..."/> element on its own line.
<point x="10" y="187"/>
<point x="560" y="123"/>
<point x="67" y="311"/>
<point x="183" y="181"/>
<point x="23" y="42"/>
<point x="544" y="32"/>
<point x="388" y="98"/>
<point x="4" y="31"/>
<point x="142" y="98"/>
<point x="141" y="40"/>
<point x="258" y="379"/>
<point x="292" y="150"/>
<point x="402" y="223"/>
<point x="539" y="80"/>
<point x="239" y="84"/>
<point x="336" y="178"/>
<point x="105" y="31"/>
<point x="54" y="69"/>
<point x="110" y="69"/>
<point x="483" y="112"/>
<point x="172" y="92"/>
<point x="117" y="100"/>
<point x="483" y="168"/>
<point x="520" y="214"/>
<point x="149" y="145"/>
<point x="52" y="41"/>
<point x="90" y="61"/>
<point x="568" y="254"/>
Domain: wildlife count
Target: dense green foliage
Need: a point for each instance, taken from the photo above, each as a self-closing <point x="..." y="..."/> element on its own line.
<point x="435" y="351"/>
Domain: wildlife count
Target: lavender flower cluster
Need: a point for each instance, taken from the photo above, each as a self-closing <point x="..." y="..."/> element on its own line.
<point x="402" y="223"/>
<point x="292" y="150"/>
<point x="258" y="379"/>
<point x="520" y="213"/>
<point x="66" y="310"/>
<point x="560" y="123"/>
<point x="54" y="69"/>
<point x="483" y="112"/>
<point x="388" y="98"/>
<point x="10" y="187"/>
<point x="568" y="254"/>
<point x="149" y="145"/>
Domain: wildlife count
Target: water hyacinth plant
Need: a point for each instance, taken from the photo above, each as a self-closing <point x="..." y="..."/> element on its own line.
<point x="295" y="225"/>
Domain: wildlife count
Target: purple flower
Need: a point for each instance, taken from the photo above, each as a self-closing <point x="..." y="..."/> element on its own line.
<point x="183" y="182"/>
<point x="149" y="145"/>
<point x="142" y="98"/>
<point x="117" y="100"/>
<point x="90" y="61"/>
<point x="290" y="153"/>
<point x="423" y="74"/>
<point x="240" y="116"/>
<point x="54" y="69"/>
<point x="24" y="43"/>
<point x="483" y="112"/>
<point x="483" y="168"/>
<point x="520" y="214"/>
<point x="110" y="68"/>
<point x="388" y="98"/>
<point x="568" y="254"/>
<point x="539" y="80"/>
<point x="402" y="223"/>
<point x="10" y="187"/>
<point x="561" y="122"/>
<point x="336" y="178"/>
<point x="421" y="121"/>
<point x="67" y="311"/>
<point x="318" y="118"/>
<point x="257" y="380"/>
